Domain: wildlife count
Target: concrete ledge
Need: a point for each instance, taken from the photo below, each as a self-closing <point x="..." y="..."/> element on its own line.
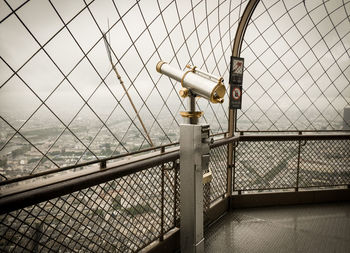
<point x="289" y="198"/>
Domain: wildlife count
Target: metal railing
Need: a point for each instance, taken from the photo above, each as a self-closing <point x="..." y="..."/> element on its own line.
<point x="122" y="208"/>
<point x="273" y="162"/>
<point x="126" y="206"/>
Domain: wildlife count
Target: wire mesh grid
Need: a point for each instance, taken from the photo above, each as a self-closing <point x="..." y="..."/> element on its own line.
<point x="297" y="67"/>
<point x="206" y="197"/>
<point x="273" y="165"/>
<point x="325" y="163"/>
<point x="62" y="104"/>
<point x="218" y="166"/>
<point x="122" y="215"/>
<point x="266" y="165"/>
<point x="128" y="213"/>
<point x="61" y="101"/>
<point x="177" y="197"/>
<point x="170" y="196"/>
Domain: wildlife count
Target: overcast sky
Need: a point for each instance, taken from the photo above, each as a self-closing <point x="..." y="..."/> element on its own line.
<point x="324" y="69"/>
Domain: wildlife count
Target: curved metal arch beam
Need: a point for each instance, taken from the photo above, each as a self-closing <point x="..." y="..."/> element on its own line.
<point x="236" y="52"/>
<point x="242" y="27"/>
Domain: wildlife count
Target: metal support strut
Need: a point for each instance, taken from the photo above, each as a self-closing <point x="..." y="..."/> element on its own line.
<point x="194" y="159"/>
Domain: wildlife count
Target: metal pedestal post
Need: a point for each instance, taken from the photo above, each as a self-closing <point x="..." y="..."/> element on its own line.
<point x="194" y="158"/>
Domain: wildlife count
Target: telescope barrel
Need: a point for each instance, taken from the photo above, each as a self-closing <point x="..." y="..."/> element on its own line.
<point x="206" y="87"/>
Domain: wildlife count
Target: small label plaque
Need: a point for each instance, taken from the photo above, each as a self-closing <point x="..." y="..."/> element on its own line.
<point x="235" y="96"/>
<point x="236" y="80"/>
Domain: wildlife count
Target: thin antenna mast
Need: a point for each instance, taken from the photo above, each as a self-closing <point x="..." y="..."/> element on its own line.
<point x="108" y="49"/>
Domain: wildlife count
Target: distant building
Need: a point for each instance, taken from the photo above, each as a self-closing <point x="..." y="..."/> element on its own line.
<point x="346" y="122"/>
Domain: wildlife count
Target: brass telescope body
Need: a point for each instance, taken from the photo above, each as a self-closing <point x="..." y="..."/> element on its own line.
<point x="200" y="83"/>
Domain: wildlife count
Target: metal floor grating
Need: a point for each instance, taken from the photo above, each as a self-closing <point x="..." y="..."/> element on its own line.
<point x="304" y="228"/>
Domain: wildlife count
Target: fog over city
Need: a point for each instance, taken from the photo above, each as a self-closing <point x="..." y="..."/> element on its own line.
<point x="59" y="94"/>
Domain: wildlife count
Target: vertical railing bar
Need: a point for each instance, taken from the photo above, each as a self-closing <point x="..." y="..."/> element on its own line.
<point x="230" y="149"/>
<point x="176" y="167"/>
<point x="234" y="167"/>
<point x="161" y="238"/>
<point x="225" y="194"/>
<point x="298" y="165"/>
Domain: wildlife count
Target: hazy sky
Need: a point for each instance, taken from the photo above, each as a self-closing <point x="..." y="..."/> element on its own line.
<point x="308" y="65"/>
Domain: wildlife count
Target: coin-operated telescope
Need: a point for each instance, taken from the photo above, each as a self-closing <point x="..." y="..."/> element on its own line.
<point x="194" y="83"/>
<point x="194" y="150"/>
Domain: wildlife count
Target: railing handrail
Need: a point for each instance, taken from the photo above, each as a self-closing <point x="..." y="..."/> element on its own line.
<point x="40" y="193"/>
<point x="294" y="137"/>
<point x="296" y="131"/>
<point x="79" y="165"/>
<point x="36" y="192"/>
<point x="33" y="194"/>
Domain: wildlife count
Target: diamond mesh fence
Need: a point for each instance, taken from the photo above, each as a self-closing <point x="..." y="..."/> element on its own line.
<point x="171" y="197"/>
<point x="218" y="166"/>
<point x="286" y="164"/>
<point x="266" y="165"/>
<point x="122" y="215"/>
<point x="126" y="214"/>
<point x="324" y="163"/>
<point x="297" y="67"/>
<point x="62" y="103"/>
